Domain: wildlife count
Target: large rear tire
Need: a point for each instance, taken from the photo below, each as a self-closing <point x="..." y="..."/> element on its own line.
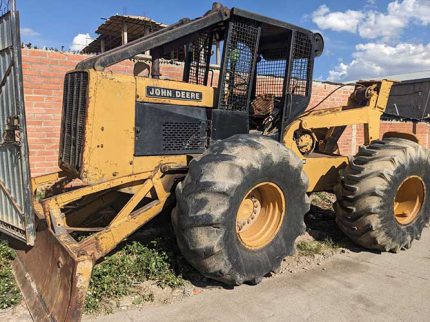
<point x="382" y="198"/>
<point x="241" y="208"/>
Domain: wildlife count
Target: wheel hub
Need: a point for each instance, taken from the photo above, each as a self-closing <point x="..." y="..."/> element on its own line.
<point x="409" y="200"/>
<point x="249" y="212"/>
<point x="260" y="215"/>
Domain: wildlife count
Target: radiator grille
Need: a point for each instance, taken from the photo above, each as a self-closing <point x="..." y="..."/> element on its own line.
<point x="74" y="114"/>
<point x="183" y="136"/>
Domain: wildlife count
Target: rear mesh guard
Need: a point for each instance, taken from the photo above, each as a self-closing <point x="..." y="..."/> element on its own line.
<point x="300" y="77"/>
<point x="196" y="70"/>
<point x="238" y="70"/>
<point x="302" y="66"/>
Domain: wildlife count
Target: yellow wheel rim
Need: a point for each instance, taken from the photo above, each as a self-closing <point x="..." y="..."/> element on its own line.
<point x="409" y="200"/>
<point x="260" y="215"/>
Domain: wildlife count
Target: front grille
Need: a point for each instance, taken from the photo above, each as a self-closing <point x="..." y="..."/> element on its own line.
<point x="73" y="124"/>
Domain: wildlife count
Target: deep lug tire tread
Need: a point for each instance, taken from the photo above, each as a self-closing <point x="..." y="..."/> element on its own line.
<point x="204" y="219"/>
<point x="366" y="190"/>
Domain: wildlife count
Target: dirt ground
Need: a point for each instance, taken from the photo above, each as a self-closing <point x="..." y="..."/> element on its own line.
<point x="352" y="286"/>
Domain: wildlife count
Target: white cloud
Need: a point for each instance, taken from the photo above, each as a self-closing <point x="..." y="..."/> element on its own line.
<point x="399" y="15"/>
<point x="373" y="24"/>
<point x="386" y="54"/>
<point x="80" y="42"/>
<point x="417" y="10"/>
<point x="337" y="21"/>
<point x="374" y="60"/>
<point x="29" y="32"/>
<point x="379" y="25"/>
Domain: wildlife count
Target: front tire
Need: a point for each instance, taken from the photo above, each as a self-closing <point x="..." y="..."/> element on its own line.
<point x="382" y="198"/>
<point x="241" y="208"/>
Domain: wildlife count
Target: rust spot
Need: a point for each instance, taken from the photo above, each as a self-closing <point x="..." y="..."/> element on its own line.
<point x="60" y="262"/>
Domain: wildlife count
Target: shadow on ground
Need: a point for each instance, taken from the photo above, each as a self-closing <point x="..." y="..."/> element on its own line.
<point x="320" y="224"/>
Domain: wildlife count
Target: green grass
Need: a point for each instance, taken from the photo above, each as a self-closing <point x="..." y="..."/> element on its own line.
<point x="315" y="247"/>
<point x="120" y="274"/>
<point x="9" y="291"/>
<point x="322" y="199"/>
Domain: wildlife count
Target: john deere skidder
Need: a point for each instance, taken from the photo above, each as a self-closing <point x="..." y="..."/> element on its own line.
<point x="240" y="153"/>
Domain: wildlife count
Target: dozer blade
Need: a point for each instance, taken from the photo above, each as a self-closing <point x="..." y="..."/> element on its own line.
<point x="53" y="278"/>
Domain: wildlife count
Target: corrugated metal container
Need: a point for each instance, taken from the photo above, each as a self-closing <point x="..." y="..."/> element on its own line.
<point x="16" y="207"/>
<point x="410" y="100"/>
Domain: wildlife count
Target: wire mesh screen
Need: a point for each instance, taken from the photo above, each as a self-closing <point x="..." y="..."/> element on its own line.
<point x="302" y="65"/>
<point x="271" y="74"/>
<point x="184" y="136"/>
<point x="239" y="54"/>
<point x="201" y="50"/>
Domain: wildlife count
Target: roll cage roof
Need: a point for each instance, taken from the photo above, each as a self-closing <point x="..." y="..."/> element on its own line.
<point x="185" y="29"/>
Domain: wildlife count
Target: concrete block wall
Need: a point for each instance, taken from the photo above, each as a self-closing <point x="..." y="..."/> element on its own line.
<point x="43" y="89"/>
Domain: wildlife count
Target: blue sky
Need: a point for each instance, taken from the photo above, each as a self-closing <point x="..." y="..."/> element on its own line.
<point x="364" y="38"/>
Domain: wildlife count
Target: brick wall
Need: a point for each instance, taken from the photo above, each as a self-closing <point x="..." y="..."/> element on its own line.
<point x="321" y="92"/>
<point x="43" y="88"/>
<point x="43" y="77"/>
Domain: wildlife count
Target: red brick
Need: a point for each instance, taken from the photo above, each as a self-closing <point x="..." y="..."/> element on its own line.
<point x="43" y="86"/>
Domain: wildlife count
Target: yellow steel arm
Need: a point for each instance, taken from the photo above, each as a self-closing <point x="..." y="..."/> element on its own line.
<point x="322" y="169"/>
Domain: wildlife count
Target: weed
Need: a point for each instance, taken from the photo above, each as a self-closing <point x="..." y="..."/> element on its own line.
<point x="331" y="244"/>
<point x="9" y="291"/>
<point x="119" y="274"/>
<point x="141" y="298"/>
<point x="310" y="247"/>
<point x="323" y="200"/>
<point x="314" y="247"/>
<point x="40" y="195"/>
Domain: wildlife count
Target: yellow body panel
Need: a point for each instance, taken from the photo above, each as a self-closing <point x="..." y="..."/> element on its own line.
<point x="323" y="171"/>
<point x="110" y="125"/>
